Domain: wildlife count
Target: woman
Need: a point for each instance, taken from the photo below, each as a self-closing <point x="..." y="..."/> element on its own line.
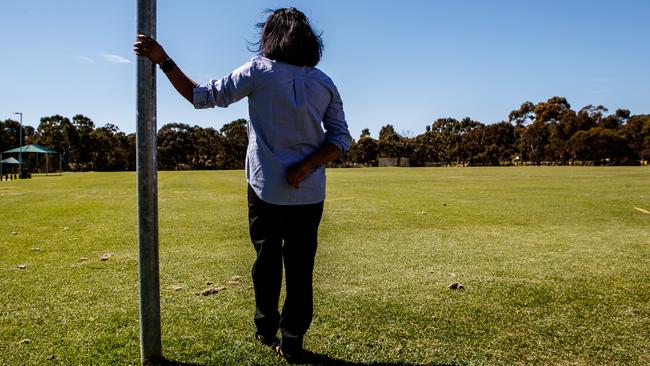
<point x="287" y="152"/>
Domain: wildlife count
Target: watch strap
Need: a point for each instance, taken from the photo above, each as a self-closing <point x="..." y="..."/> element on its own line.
<point x="167" y="65"/>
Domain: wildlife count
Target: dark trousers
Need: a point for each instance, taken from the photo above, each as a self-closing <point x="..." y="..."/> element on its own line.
<point x="283" y="233"/>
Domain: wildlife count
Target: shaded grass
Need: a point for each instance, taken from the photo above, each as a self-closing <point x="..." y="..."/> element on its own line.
<point x="555" y="262"/>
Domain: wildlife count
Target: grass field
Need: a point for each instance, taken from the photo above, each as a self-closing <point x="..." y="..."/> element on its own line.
<point x="555" y="263"/>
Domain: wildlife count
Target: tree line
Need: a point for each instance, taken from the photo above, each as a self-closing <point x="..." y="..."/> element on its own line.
<point x="84" y="146"/>
<point x="549" y="132"/>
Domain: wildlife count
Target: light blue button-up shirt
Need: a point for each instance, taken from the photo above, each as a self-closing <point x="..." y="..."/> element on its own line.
<point x="286" y="104"/>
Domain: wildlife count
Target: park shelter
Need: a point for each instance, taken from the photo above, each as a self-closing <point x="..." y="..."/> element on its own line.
<point x="13" y="163"/>
<point x="8" y="161"/>
<point x="34" y="149"/>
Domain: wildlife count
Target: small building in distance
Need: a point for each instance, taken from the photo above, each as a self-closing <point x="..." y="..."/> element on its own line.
<point x="388" y="162"/>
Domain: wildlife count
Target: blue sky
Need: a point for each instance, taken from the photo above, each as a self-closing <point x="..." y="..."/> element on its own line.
<point x="405" y="63"/>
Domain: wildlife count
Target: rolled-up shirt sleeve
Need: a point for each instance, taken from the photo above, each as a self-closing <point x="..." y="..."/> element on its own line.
<point x="336" y="128"/>
<point x="227" y="90"/>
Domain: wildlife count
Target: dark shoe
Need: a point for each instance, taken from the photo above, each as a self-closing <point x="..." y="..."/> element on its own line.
<point x="267" y="340"/>
<point x="291" y="356"/>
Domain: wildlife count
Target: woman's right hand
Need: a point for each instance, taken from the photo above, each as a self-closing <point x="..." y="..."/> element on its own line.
<point x="148" y="47"/>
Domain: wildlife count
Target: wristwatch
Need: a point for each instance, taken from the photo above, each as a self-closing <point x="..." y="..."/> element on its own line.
<point x="167" y="65"/>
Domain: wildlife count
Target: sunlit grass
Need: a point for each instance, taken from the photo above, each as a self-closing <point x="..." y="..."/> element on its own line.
<point x="555" y="264"/>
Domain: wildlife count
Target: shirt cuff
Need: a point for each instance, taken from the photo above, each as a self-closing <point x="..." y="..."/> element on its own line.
<point x="200" y="96"/>
<point x="338" y="144"/>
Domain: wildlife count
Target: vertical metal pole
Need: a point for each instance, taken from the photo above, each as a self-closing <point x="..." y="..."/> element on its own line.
<point x="20" y="143"/>
<point x="20" y="146"/>
<point x="150" y="346"/>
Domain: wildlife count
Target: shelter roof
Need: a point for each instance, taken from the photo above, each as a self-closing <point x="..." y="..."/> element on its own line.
<point x="31" y="149"/>
<point x="9" y="161"/>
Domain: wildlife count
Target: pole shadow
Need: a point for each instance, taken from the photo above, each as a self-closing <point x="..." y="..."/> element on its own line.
<point x="176" y="363"/>
<point x="315" y="359"/>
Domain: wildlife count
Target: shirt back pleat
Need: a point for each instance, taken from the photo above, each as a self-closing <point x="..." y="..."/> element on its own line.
<point x="299" y="90"/>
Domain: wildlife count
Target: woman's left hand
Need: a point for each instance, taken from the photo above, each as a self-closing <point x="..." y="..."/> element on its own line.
<point x="297" y="174"/>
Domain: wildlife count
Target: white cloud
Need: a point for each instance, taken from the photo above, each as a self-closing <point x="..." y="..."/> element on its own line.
<point x="84" y="58"/>
<point x="115" y="59"/>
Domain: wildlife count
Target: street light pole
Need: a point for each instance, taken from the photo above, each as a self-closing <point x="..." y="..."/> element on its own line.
<point x="20" y="146"/>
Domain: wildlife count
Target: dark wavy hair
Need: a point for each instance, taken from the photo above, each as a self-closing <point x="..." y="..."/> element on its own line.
<point x="288" y="36"/>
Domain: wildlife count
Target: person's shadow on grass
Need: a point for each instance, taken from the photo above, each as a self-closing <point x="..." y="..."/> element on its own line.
<point x="316" y="359"/>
